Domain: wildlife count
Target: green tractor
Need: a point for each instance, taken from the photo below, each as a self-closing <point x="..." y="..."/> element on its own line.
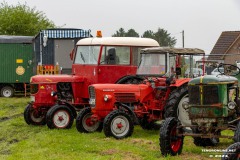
<point x="213" y="106"/>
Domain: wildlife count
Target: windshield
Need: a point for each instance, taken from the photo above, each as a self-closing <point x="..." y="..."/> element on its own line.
<point x="87" y="55"/>
<point x="152" y="64"/>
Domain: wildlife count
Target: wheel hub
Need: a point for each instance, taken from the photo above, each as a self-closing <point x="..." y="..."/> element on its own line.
<point x="119" y="125"/>
<point x="61" y="119"/>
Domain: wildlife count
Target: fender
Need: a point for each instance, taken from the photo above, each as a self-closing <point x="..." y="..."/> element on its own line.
<point x="70" y="106"/>
<point x="135" y="119"/>
<point x="180" y="82"/>
<point x="123" y="79"/>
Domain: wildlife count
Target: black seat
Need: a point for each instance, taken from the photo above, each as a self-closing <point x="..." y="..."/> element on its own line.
<point x="112" y="58"/>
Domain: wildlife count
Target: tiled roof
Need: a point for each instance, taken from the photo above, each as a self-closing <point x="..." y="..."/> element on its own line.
<point x="226" y="40"/>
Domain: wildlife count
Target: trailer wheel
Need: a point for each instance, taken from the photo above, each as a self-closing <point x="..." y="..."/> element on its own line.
<point x="84" y="122"/>
<point x="118" y="124"/>
<point x="31" y="116"/>
<point x="59" y="116"/>
<point x="232" y="152"/>
<point x="174" y="106"/>
<point x="7" y="91"/>
<point x="236" y="137"/>
<point x="170" y="142"/>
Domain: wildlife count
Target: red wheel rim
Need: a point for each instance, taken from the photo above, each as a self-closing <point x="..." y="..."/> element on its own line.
<point x="175" y="141"/>
<point x="89" y="122"/>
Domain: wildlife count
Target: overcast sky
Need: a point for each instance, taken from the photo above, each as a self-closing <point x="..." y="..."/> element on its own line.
<point x="202" y="20"/>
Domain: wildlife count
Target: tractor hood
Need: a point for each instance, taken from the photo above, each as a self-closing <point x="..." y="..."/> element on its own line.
<point x="213" y="79"/>
<point x="56" y="78"/>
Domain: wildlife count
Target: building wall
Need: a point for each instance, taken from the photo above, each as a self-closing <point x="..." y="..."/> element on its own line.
<point x="235" y="49"/>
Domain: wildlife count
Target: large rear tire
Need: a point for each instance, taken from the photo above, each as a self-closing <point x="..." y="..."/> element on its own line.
<point x="34" y="117"/>
<point x="84" y="122"/>
<point x="59" y="116"/>
<point x="118" y="124"/>
<point x="170" y="142"/>
<point x="174" y="106"/>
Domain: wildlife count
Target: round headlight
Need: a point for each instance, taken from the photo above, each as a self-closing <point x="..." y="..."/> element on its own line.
<point x="232" y="105"/>
<point x="106" y="98"/>
<point x="53" y="93"/>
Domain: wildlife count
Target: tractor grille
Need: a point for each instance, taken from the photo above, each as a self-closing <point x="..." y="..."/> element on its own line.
<point x="33" y="88"/>
<point x="125" y="97"/>
<point x="194" y="94"/>
<point x="209" y="95"/>
<point x="91" y="91"/>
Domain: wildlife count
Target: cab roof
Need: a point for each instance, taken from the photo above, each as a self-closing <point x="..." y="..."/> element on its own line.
<point x="183" y="51"/>
<point x="119" y="41"/>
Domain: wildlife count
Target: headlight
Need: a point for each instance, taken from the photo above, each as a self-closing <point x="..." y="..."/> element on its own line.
<point x="32" y="98"/>
<point x="107" y="98"/>
<point x="53" y="93"/>
<point x="232" y="105"/>
<point x="92" y="101"/>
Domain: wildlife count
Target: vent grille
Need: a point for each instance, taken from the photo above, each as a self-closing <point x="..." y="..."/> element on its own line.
<point x="33" y="88"/>
<point x="194" y="94"/>
<point x="91" y="91"/>
<point x="125" y="97"/>
<point x="210" y="95"/>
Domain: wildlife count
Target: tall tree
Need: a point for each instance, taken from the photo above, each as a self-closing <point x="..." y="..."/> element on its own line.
<point x="120" y="33"/>
<point x="22" y="20"/>
<point x="149" y="34"/>
<point x="164" y="38"/>
<point x="131" y="33"/>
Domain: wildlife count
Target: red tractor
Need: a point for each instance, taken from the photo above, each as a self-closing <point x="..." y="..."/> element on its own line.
<point x="56" y="98"/>
<point x="117" y="107"/>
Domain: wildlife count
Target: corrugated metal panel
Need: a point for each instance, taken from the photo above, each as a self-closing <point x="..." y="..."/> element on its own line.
<point x="16" y="39"/>
<point x="15" y="66"/>
<point x="66" y="33"/>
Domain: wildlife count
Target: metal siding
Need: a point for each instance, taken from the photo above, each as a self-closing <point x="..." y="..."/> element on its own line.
<point x="9" y="53"/>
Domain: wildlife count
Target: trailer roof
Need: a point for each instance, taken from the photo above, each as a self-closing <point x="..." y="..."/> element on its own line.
<point x="183" y="51"/>
<point x="16" y="39"/>
<point x="119" y="41"/>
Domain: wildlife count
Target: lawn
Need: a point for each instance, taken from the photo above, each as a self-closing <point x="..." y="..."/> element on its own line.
<point x="19" y="141"/>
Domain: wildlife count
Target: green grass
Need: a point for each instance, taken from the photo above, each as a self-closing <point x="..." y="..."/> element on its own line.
<point x="22" y="142"/>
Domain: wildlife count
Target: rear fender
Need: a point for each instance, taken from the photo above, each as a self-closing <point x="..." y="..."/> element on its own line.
<point x="180" y="82"/>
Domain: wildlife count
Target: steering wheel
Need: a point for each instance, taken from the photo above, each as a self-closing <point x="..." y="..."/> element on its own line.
<point x="228" y="69"/>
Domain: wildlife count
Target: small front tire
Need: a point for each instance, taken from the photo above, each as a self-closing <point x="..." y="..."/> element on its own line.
<point x="118" y="124"/>
<point x="84" y="122"/>
<point x="59" y="116"/>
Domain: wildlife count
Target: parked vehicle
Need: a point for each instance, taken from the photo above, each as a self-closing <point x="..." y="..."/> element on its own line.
<point x="16" y="67"/>
<point x="213" y="106"/>
<point x="117" y="107"/>
<point x="217" y="71"/>
<point x="196" y="72"/>
<point x="56" y="98"/>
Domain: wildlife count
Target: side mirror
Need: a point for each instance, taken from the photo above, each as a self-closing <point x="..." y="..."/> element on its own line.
<point x="178" y="71"/>
<point x="72" y="54"/>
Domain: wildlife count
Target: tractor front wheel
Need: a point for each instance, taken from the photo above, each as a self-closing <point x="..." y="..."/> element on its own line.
<point x="118" y="124"/>
<point x="34" y="117"/>
<point x="59" y="116"/>
<point x="84" y="122"/>
<point x="170" y="142"/>
<point x="236" y="137"/>
<point x="204" y="142"/>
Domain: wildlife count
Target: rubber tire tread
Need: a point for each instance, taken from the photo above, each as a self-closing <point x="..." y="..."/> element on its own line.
<point x="27" y="117"/>
<point x="165" y="136"/>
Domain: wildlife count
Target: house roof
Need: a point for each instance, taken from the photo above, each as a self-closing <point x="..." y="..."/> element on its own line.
<point x="223" y="44"/>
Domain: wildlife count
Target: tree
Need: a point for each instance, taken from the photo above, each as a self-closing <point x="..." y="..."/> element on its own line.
<point x="120" y="33"/>
<point x="149" y="34"/>
<point x="132" y="33"/>
<point x="164" y="38"/>
<point x="22" y="20"/>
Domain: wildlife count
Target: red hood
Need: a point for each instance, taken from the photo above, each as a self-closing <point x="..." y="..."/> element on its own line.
<point x="56" y="78"/>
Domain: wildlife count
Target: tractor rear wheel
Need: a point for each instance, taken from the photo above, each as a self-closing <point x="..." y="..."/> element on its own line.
<point x="145" y="124"/>
<point x="174" y="106"/>
<point x="59" y="116"/>
<point x="84" y="122"/>
<point x="130" y="80"/>
<point x="118" y="124"/>
<point x="233" y="152"/>
<point x="170" y="142"/>
<point x="31" y="116"/>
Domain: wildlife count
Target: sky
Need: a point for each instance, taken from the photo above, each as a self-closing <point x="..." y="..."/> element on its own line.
<point x="203" y="21"/>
